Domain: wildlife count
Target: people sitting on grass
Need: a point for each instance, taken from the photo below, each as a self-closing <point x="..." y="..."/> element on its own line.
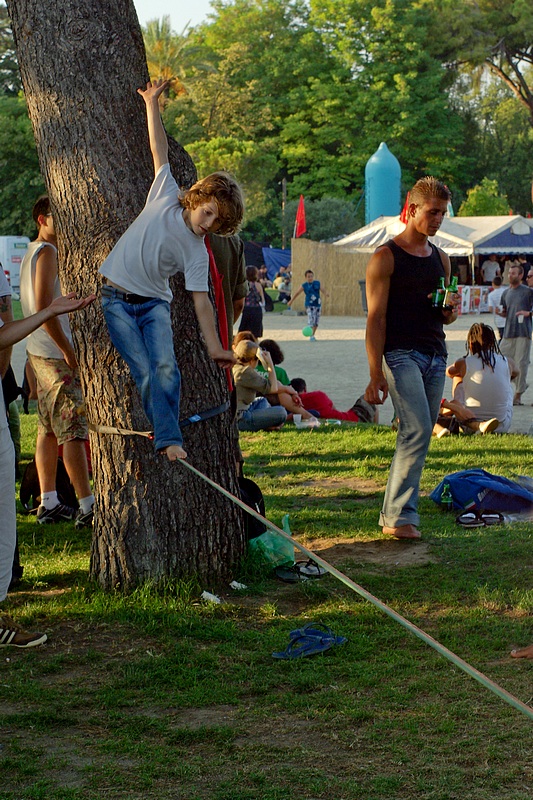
<point x="263" y="278"/>
<point x="254" y="412"/>
<point x="285" y="396"/>
<point x="323" y="406"/>
<point x="482" y="394"/>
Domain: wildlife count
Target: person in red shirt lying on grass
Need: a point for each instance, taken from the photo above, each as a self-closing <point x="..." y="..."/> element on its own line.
<point x="319" y="402"/>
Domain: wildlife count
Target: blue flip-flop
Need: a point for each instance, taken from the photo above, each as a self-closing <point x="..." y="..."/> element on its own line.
<point x="319" y="631"/>
<point x="301" y="646"/>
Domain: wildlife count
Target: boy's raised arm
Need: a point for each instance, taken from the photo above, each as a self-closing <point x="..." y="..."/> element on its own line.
<point x="156" y="131"/>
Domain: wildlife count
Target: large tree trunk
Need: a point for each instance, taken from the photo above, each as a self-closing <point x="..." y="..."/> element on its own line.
<point x="81" y="62"/>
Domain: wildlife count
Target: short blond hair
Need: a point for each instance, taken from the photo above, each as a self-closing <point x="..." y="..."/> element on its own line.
<point x="429" y="187"/>
<point x="227" y="194"/>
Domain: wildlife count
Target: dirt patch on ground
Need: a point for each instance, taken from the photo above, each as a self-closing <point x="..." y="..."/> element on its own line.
<point x="358" y="485"/>
<point x="388" y="553"/>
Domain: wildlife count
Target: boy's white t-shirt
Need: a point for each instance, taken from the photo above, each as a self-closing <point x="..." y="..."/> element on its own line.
<point x="157" y="245"/>
<point x="495" y="300"/>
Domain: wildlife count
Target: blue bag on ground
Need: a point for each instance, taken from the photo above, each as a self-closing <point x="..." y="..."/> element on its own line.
<point x="480" y="490"/>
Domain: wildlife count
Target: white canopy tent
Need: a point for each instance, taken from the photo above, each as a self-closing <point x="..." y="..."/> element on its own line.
<point x="458" y="236"/>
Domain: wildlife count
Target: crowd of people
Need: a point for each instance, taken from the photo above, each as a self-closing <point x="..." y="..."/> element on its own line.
<point x="193" y="232"/>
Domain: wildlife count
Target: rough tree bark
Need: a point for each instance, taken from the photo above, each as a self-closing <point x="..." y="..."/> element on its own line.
<point x="81" y="62"/>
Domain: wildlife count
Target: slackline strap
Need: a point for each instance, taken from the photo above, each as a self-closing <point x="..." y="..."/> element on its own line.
<point x="184" y="423"/>
<point x="474" y="673"/>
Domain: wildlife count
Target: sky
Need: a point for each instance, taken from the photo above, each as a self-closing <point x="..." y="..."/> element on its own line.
<point x="180" y="11"/>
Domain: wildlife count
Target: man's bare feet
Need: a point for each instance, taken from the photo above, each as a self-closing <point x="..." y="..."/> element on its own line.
<point x="525" y="652"/>
<point x="402" y="532"/>
<point x="174" y="451"/>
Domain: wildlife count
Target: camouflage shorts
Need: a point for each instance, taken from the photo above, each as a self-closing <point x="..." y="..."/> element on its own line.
<point x="59" y="398"/>
<point x="313" y="315"/>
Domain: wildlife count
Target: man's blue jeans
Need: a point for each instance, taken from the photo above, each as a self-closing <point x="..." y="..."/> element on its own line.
<point x="416" y="383"/>
<point x="142" y="334"/>
<point x="260" y="416"/>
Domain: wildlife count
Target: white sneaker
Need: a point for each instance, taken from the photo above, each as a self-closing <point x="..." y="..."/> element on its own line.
<point x="489" y="425"/>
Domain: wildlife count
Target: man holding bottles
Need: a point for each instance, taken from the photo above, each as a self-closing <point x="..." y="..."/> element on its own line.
<point x="405" y="345"/>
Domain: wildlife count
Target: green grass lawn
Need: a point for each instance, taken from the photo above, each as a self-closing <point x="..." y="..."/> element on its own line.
<point x="156" y="695"/>
<point x="278" y="307"/>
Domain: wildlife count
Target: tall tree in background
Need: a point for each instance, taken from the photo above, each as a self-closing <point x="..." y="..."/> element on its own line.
<point x="484" y="200"/>
<point x="264" y="52"/>
<point x="170" y="54"/>
<point x="10" y="82"/>
<point x="20" y="174"/>
<point x="499" y="35"/>
<point x="81" y="63"/>
<point x="399" y="87"/>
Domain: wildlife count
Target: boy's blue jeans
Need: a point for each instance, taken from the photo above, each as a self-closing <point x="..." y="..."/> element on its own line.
<point x="142" y="334"/>
<point x="416" y="383"/>
<point x="260" y="416"/>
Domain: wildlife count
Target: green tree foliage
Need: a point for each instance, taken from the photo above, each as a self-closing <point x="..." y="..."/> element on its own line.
<point x="254" y="164"/>
<point x="264" y="53"/>
<point x="10" y="82"/>
<point x="399" y="87"/>
<point x="20" y="177"/>
<point x="484" y="200"/>
<point x="169" y="54"/>
<point x="326" y="219"/>
<point x="496" y="34"/>
<point x="501" y="137"/>
<point x="319" y="85"/>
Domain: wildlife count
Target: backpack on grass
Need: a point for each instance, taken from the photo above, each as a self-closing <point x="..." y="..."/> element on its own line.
<point x="479" y="490"/>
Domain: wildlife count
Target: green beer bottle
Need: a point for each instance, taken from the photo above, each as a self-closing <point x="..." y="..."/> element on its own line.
<point x="452" y="289"/>
<point x="437" y="298"/>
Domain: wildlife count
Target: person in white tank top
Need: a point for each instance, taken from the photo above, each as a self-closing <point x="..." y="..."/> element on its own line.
<point x="482" y="390"/>
<point x="52" y="358"/>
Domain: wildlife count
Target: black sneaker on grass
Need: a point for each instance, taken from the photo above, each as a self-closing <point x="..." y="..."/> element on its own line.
<point x="84" y="520"/>
<point x="11" y="634"/>
<point x="59" y="513"/>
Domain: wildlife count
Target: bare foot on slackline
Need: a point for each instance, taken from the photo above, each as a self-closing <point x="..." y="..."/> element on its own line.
<point x="525" y="652"/>
<point x="403" y="532"/>
<point x="174" y="451"/>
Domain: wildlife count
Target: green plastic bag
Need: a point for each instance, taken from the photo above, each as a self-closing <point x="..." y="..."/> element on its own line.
<point x="272" y="549"/>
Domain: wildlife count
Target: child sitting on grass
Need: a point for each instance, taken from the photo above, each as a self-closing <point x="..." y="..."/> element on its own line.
<point x="167" y="237"/>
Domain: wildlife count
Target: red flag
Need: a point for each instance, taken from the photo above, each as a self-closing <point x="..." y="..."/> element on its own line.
<point x="299" y="225"/>
<point x="405" y="210"/>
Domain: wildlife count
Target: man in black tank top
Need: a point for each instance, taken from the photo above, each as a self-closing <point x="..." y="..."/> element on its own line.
<point x="405" y="346"/>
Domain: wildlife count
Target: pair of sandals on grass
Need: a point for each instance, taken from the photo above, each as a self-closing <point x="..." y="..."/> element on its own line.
<point x="301" y="571"/>
<point x="477" y="519"/>
<point x="309" y="641"/>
